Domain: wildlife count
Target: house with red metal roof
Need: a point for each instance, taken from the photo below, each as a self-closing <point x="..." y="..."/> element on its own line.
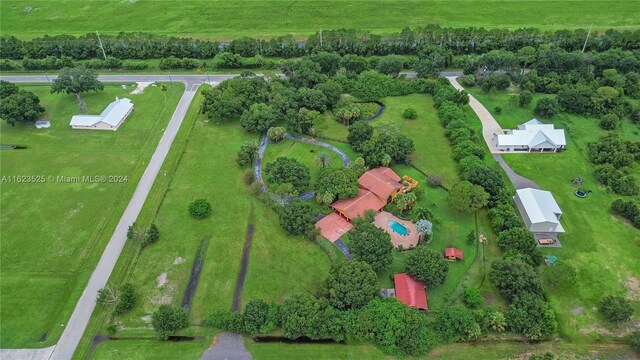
<point x="377" y="188"/>
<point x="410" y="291"/>
<point x="453" y="254"/>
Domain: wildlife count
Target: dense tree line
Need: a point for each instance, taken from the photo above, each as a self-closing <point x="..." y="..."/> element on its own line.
<point x="614" y="159"/>
<point x="343" y="41"/>
<point x="629" y="209"/>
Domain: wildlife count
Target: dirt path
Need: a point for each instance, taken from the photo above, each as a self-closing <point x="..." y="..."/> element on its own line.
<point x="490" y="126"/>
<point x="237" y="294"/>
<point x="230" y="346"/>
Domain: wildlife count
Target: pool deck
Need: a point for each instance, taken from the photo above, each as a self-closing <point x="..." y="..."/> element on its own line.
<point x="406" y="242"/>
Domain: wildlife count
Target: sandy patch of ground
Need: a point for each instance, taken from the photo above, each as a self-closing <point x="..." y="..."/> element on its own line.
<point x="140" y="88"/>
<point x="161" y="279"/>
<point x="622" y="331"/>
<point x="633" y="285"/>
<point x="179" y="260"/>
<point x="577" y="310"/>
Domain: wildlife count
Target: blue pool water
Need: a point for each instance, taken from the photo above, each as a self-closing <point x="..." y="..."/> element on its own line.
<point x="398" y="228"/>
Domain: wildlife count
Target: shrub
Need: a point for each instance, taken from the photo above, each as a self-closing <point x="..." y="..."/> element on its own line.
<point x="615" y="309"/>
<point x="111" y="329"/>
<point x="467" y="80"/>
<point x="351" y="285"/>
<point x="525" y="98"/>
<point x="546" y="108"/>
<point x="609" y="121"/>
<point x="167" y="320"/>
<point x="472" y="297"/>
<point x="276" y="134"/>
<point x="428" y="266"/>
<point x="297" y="217"/>
<point x="635" y="341"/>
<point x="410" y="113"/>
<point x="456" y="323"/>
<point x="434" y="180"/>
<point x="287" y="170"/>
<point x="200" y="208"/>
<point x="126" y="299"/>
<point x="497" y="110"/>
<point x="151" y="235"/>
<point x="530" y="315"/>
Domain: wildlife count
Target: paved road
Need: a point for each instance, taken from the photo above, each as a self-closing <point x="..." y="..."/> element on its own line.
<point x="228" y="346"/>
<point x="189" y="80"/>
<point x="490" y="126"/>
<point x="518" y="181"/>
<point x="77" y="324"/>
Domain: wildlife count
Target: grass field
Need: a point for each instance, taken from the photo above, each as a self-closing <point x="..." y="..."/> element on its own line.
<point x="53" y="233"/>
<point x="599" y="245"/>
<point x="226" y="20"/>
<point x="148" y="350"/>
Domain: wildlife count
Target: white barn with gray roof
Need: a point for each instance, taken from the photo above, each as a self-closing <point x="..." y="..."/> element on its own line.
<point x="110" y="119"/>
<point x="539" y="210"/>
<point x="532" y="136"/>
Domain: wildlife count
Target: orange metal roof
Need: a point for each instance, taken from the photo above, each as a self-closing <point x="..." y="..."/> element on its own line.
<point x="410" y="291"/>
<point x="381" y="181"/>
<point x="353" y="208"/>
<point x="451" y="251"/>
<point x="333" y="226"/>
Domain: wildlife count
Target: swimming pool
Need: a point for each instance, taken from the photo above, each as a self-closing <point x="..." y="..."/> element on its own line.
<point x="398" y="228"/>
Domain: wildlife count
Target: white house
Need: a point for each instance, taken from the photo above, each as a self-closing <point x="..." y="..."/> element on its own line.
<point x="539" y="210"/>
<point x="110" y="119"/>
<point x="532" y="136"/>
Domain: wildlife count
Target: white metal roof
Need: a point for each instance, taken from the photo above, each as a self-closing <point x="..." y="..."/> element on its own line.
<point x="533" y="133"/>
<point x="540" y="206"/>
<point x="112" y="115"/>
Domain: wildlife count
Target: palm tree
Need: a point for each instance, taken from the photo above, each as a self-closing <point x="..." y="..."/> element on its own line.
<point x="323" y="160"/>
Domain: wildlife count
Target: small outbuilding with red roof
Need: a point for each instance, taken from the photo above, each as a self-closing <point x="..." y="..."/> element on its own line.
<point x="410" y="291"/>
<point x="453" y="254"/>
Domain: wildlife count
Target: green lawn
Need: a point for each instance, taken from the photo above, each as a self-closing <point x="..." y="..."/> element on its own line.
<point x="226" y="20"/>
<point x="54" y="233"/>
<point x="433" y="153"/>
<point x="306" y="154"/>
<point x="277" y="351"/>
<point x="596" y="243"/>
<point x="148" y="350"/>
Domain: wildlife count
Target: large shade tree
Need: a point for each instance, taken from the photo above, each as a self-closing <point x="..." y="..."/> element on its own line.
<point x="428" y="266"/>
<point x="18" y="106"/>
<point x="76" y="81"/>
<point x="371" y="245"/>
<point x="351" y="285"/>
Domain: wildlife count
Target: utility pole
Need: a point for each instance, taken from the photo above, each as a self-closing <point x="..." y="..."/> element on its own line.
<point x="101" y="47"/>
<point x="585" y="40"/>
<point x="320" y="38"/>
